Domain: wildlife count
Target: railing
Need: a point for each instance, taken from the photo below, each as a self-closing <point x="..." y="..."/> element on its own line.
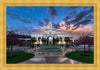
<point x="48" y="54"/>
<point x="55" y="53"/>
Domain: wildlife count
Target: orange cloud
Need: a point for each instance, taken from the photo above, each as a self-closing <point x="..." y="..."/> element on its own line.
<point x="35" y="28"/>
<point x="69" y="28"/>
<point x="74" y="33"/>
<point x="43" y="28"/>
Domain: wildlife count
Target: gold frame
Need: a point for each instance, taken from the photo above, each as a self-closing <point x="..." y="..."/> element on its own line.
<point x="5" y="3"/>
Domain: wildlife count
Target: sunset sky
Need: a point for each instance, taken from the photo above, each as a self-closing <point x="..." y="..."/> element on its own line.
<point x="68" y="19"/>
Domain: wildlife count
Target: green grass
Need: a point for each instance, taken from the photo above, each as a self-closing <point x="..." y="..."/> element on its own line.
<point x="78" y="57"/>
<point x="20" y="56"/>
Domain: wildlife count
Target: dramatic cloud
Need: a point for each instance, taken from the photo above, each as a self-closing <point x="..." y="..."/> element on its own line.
<point x="72" y="11"/>
<point x="25" y="21"/>
<point x="38" y="22"/>
<point x="17" y="17"/>
<point x="75" y="33"/>
<point x="13" y="15"/>
<point x="82" y="18"/>
<point x="90" y="17"/>
<point x="28" y="16"/>
<point x="36" y="30"/>
<point x="53" y="12"/>
<point x="70" y="19"/>
<point x="40" y="30"/>
<point x="82" y="14"/>
<point x="56" y="25"/>
<point x="46" y="20"/>
<point x="66" y="18"/>
<point x="84" y="22"/>
<point x="73" y="7"/>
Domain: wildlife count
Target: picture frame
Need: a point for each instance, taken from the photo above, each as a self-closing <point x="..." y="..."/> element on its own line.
<point x="5" y="3"/>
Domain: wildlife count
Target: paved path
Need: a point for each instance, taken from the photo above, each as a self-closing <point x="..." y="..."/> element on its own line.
<point x="47" y="60"/>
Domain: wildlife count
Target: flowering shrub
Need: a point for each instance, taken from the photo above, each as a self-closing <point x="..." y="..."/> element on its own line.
<point x="50" y="48"/>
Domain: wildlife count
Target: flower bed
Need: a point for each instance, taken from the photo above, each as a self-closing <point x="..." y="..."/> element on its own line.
<point x="47" y="48"/>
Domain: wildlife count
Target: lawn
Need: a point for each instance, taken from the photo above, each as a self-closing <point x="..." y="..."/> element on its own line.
<point x="19" y="56"/>
<point x="78" y="57"/>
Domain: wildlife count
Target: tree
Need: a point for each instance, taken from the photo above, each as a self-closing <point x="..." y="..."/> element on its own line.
<point x="72" y="43"/>
<point x="43" y="40"/>
<point x="67" y="39"/>
<point x="33" y="40"/>
<point x="82" y="40"/>
<point x="11" y="40"/>
<point x="77" y="42"/>
<point x="56" y="39"/>
<point x="85" y="40"/>
<point x="90" y="42"/>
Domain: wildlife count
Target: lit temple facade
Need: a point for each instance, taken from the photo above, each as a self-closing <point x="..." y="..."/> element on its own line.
<point x="49" y="34"/>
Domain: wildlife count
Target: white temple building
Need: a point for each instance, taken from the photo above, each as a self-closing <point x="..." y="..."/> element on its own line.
<point x="49" y="34"/>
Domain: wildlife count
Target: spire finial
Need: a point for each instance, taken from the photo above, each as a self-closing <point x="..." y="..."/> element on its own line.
<point x="50" y="25"/>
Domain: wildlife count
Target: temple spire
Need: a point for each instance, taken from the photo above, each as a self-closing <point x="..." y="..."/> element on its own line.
<point x="50" y="25"/>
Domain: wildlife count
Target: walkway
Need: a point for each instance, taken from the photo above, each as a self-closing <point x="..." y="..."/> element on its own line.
<point x="55" y="60"/>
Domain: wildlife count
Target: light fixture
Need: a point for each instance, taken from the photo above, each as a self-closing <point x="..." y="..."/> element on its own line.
<point x="50" y="38"/>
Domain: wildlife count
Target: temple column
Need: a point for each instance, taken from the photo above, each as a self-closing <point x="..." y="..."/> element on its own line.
<point x="40" y="40"/>
<point x="73" y="39"/>
<point x="36" y="40"/>
<point x="52" y="40"/>
<point x="62" y="40"/>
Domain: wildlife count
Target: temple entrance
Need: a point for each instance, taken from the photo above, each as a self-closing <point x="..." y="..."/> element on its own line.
<point x="50" y="40"/>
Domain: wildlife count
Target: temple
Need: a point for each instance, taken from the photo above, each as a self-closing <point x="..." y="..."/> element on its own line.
<point x="49" y="34"/>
